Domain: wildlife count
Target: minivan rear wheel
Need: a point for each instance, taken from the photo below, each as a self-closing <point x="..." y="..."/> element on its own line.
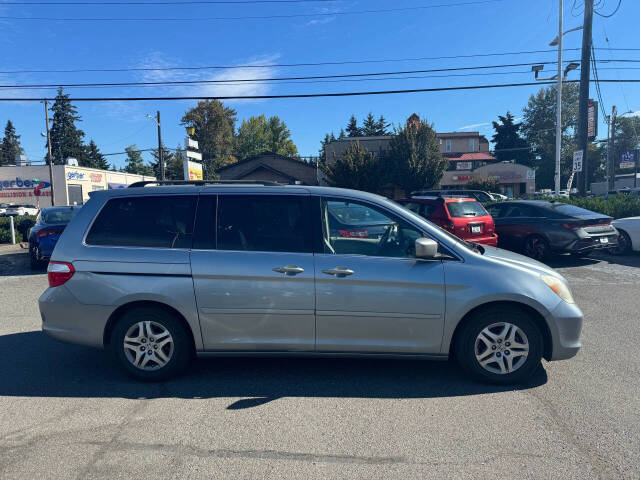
<point x="151" y="344"/>
<point x="500" y="345"/>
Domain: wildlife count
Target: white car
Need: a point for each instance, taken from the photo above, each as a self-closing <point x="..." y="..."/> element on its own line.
<point x="499" y="196"/>
<point x="3" y="208"/>
<point x="22" y="209"/>
<point x="629" y="239"/>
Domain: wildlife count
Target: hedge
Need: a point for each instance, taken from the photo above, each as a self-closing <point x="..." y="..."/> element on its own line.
<point x="618" y="206"/>
<point x="22" y="224"/>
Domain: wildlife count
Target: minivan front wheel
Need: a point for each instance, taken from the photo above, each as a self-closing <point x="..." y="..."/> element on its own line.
<point x="151" y="344"/>
<point x="501" y="345"/>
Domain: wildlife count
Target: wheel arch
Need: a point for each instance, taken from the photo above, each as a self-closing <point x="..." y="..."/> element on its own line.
<point x="122" y="309"/>
<point x="535" y="315"/>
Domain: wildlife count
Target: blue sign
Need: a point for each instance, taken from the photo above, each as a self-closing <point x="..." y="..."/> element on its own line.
<point x="628" y="159"/>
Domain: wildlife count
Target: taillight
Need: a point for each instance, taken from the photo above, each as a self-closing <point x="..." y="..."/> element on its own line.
<point x="353" y="233"/>
<point x="59" y="272"/>
<point x="573" y="228"/>
<point x="46" y="233"/>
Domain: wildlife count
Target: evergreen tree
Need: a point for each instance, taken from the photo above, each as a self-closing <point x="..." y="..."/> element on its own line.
<point x="357" y="168"/>
<point x="370" y="126"/>
<point x="173" y="161"/>
<point x="135" y="163"/>
<point x="352" y="128"/>
<point x="259" y="134"/>
<point x="93" y="158"/>
<point x="413" y="160"/>
<point x="66" y="139"/>
<point x="508" y="144"/>
<point x="341" y="135"/>
<point x="328" y="138"/>
<point x="214" y="130"/>
<point x="10" y="145"/>
<point x="382" y="127"/>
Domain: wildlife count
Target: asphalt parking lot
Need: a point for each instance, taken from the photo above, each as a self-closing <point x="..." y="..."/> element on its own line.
<point x="68" y="412"/>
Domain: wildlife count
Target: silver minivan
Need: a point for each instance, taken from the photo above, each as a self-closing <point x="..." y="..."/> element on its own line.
<point x="160" y="274"/>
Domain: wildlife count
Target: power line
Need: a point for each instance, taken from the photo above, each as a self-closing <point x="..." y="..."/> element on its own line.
<point x="284" y="65"/>
<point x="610" y="14"/>
<point x="251" y="17"/>
<point x="271" y="79"/>
<point x="303" y="95"/>
<point x="186" y="2"/>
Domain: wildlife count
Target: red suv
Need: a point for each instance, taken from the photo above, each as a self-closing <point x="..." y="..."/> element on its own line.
<point x="466" y="218"/>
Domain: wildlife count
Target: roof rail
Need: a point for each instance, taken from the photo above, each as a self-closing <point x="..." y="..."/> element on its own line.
<point x="144" y="183"/>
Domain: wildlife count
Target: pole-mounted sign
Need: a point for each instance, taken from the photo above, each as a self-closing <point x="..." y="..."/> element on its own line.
<point x="577" y="160"/>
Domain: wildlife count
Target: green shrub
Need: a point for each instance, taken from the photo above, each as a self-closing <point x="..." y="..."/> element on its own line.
<point x="617" y="206"/>
<point x="22" y="224"/>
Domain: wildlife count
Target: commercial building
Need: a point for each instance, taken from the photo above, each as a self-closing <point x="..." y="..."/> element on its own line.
<point x="72" y="185"/>
<point x="469" y="160"/>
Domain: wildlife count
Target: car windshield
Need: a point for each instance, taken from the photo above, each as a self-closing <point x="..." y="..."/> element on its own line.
<point x="59" y="215"/>
<point x="466" y="209"/>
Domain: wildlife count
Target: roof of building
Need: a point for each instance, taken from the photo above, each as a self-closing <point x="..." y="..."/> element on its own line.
<point x="467" y="157"/>
<point x="293" y="169"/>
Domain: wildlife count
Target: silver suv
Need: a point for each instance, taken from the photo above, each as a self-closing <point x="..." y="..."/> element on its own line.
<point x="158" y="274"/>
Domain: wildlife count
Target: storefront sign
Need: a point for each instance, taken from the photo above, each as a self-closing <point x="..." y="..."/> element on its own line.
<point x="84" y="177"/>
<point x="24" y="188"/>
<point x="192" y="170"/>
<point x="464" y="165"/>
<point x="462" y="178"/>
<point x="628" y="159"/>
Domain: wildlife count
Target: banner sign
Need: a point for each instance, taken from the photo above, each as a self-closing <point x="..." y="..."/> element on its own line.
<point x="192" y="170"/>
<point x="592" y="121"/>
<point x="464" y="165"/>
<point x="628" y="159"/>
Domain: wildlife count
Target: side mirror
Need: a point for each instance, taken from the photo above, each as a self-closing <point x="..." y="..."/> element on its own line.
<point x="426" y="248"/>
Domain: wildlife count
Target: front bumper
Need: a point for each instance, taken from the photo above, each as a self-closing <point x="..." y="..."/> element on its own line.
<point x="66" y="319"/>
<point x="565" y="322"/>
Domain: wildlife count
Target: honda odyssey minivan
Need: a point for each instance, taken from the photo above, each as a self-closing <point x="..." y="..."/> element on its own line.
<point x="159" y="274"/>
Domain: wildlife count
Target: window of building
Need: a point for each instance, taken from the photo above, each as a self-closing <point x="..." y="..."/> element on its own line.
<point x="472" y="144"/>
<point x="265" y="223"/>
<point x="148" y="221"/>
<point x="448" y="145"/>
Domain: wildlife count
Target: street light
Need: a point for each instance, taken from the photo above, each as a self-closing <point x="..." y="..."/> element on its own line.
<point x="555" y="40"/>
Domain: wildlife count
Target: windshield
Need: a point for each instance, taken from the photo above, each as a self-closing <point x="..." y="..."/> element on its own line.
<point x="466" y="209"/>
<point x="59" y="215"/>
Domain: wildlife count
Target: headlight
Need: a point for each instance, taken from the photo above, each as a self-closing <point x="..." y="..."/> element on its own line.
<point x="559" y="287"/>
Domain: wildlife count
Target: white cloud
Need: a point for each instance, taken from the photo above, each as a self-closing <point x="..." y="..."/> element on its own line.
<point x="474" y="125"/>
<point x="222" y="80"/>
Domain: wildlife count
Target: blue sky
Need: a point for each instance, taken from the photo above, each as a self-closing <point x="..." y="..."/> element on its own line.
<point x="322" y="36"/>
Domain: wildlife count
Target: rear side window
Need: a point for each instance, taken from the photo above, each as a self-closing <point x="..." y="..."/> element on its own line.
<point x="466" y="209"/>
<point x="264" y="223"/>
<point x="148" y="221"/>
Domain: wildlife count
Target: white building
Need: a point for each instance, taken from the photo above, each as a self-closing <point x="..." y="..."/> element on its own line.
<point x="71" y="185"/>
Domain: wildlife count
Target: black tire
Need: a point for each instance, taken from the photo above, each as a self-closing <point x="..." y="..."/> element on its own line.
<point x="537" y="247"/>
<point x="465" y="347"/>
<point x="182" y="352"/>
<point x="624" y="244"/>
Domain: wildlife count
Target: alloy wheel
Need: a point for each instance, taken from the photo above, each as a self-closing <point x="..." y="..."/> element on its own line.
<point x="501" y="348"/>
<point x="536" y="248"/>
<point x="148" y="345"/>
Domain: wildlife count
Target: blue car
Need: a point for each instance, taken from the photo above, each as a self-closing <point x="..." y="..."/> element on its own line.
<point x="44" y="234"/>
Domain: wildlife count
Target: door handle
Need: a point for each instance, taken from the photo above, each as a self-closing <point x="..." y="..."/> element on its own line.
<point x="339" y="271"/>
<point x="289" y="269"/>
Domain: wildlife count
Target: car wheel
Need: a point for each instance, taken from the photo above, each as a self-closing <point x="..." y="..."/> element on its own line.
<point x="151" y="344"/>
<point x="500" y="345"/>
<point x="624" y="244"/>
<point x="537" y="248"/>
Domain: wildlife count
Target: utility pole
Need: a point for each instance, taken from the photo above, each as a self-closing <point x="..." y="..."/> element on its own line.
<point x="50" y="160"/>
<point x="585" y="74"/>
<point x="611" y="162"/>
<point x="160" y="153"/>
<point x="559" y="104"/>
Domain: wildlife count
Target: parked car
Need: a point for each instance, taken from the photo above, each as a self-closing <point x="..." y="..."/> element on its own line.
<point x="498" y="196"/>
<point x="479" y="195"/>
<point x="540" y="228"/>
<point x="464" y="217"/>
<point x="21" y="209"/>
<point x="629" y="235"/>
<point x="3" y="209"/>
<point x="157" y="274"/>
<point x="355" y="221"/>
<point x="43" y="236"/>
